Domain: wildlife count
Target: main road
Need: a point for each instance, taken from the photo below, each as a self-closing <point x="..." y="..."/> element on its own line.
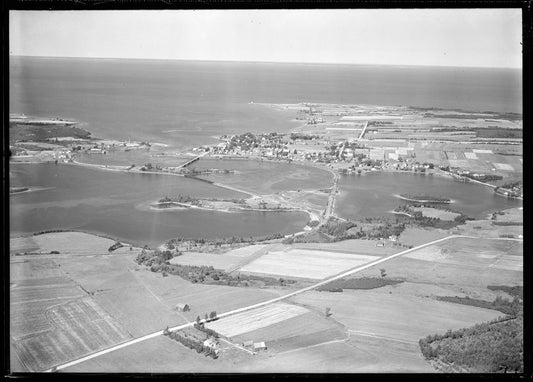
<point x="271" y="301"/>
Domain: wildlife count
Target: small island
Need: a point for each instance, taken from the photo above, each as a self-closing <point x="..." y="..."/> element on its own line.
<point x="425" y="198"/>
<point x="16" y="190"/>
<point x="254" y="203"/>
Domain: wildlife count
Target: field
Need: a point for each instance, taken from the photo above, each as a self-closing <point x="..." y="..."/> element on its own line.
<point x="436" y="213"/>
<point x="332" y="351"/>
<point x="64" y="306"/>
<point x="20" y="269"/>
<point x="30" y="301"/>
<point x="162" y="355"/>
<point x="217" y="261"/>
<point x="52" y="320"/>
<point x="485" y="228"/>
<point x="393" y="316"/>
<point x="246" y="251"/>
<point x="72" y="243"/>
<point x="502" y="254"/>
<point x="202" y="299"/>
<point x="510" y="215"/>
<point x="305" y="263"/>
<point x="255" y="319"/>
<point x="354" y="246"/>
<point x="451" y="264"/>
<point x="227" y="261"/>
<point x="145" y="301"/>
<point x="416" y="236"/>
<point x="20" y="132"/>
<point x="80" y="327"/>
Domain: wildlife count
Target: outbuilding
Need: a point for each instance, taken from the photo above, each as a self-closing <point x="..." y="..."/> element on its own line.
<point x="182" y="307"/>
<point x="260" y="346"/>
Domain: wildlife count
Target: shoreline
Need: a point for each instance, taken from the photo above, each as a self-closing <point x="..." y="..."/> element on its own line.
<point x="67" y="230"/>
<point x="448" y="201"/>
<point x="29" y="189"/>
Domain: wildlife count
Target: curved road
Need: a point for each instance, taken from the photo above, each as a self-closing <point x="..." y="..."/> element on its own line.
<point x="299" y="291"/>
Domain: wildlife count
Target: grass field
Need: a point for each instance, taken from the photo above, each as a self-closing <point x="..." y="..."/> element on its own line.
<point x="416" y="236"/>
<point x="246" y="251"/>
<point x="145" y="301"/>
<point x="74" y="243"/>
<point x="37" y="269"/>
<point x="500" y="254"/>
<point x="217" y="261"/>
<point x="436" y="213"/>
<point x="305" y="263"/>
<point x="393" y="316"/>
<point x="255" y="319"/>
<point x="511" y="215"/>
<point x="136" y="307"/>
<point x="354" y="246"/>
<point x="358" y="354"/>
<point x="162" y="355"/>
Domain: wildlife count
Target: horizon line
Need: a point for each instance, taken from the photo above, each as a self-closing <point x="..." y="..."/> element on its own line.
<point x="266" y="62"/>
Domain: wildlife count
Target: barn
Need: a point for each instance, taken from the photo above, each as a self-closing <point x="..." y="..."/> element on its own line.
<point x="182" y="307"/>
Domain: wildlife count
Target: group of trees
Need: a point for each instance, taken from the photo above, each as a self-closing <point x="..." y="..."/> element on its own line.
<point x="419" y="219"/>
<point x="191" y="343"/>
<point x="206" y="275"/>
<point x="359" y="283"/>
<point x="515" y="291"/>
<point x="180" y="199"/>
<point x="202" y="328"/>
<point x="489" y="347"/>
<point x="217" y="242"/>
<point x="303" y="136"/>
<point x="117" y="245"/>
<point x="510" y="307"/>
<point x="344" y="230"/>
<point x="155" y="258"/>
<point x="150" y="167"/>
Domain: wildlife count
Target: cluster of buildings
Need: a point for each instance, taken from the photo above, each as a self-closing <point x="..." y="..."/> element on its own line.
<point x="472" y="175"/>
<point x="514" y="190"/>
<point x="267" y="145"/>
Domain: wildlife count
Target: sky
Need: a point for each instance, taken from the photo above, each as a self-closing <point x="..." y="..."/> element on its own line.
<point x="436" y="37"/>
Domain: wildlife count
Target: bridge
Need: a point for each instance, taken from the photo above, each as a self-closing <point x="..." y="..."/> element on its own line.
<point x="193" y="159"/>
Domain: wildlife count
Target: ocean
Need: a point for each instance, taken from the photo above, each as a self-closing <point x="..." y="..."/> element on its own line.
<point x="187" y="103"/>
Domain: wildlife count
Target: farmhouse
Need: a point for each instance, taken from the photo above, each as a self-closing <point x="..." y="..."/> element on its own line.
<point x="212" y="344"/>
<point x="182" y="307"/>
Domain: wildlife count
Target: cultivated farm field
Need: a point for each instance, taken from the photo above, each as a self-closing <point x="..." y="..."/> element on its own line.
<point x="305" y="263"/>
<point x="255" y="319"/>
<point x="353" y="246"/>
<point x="79" y="327"/>
<point x="217" y="261"/>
